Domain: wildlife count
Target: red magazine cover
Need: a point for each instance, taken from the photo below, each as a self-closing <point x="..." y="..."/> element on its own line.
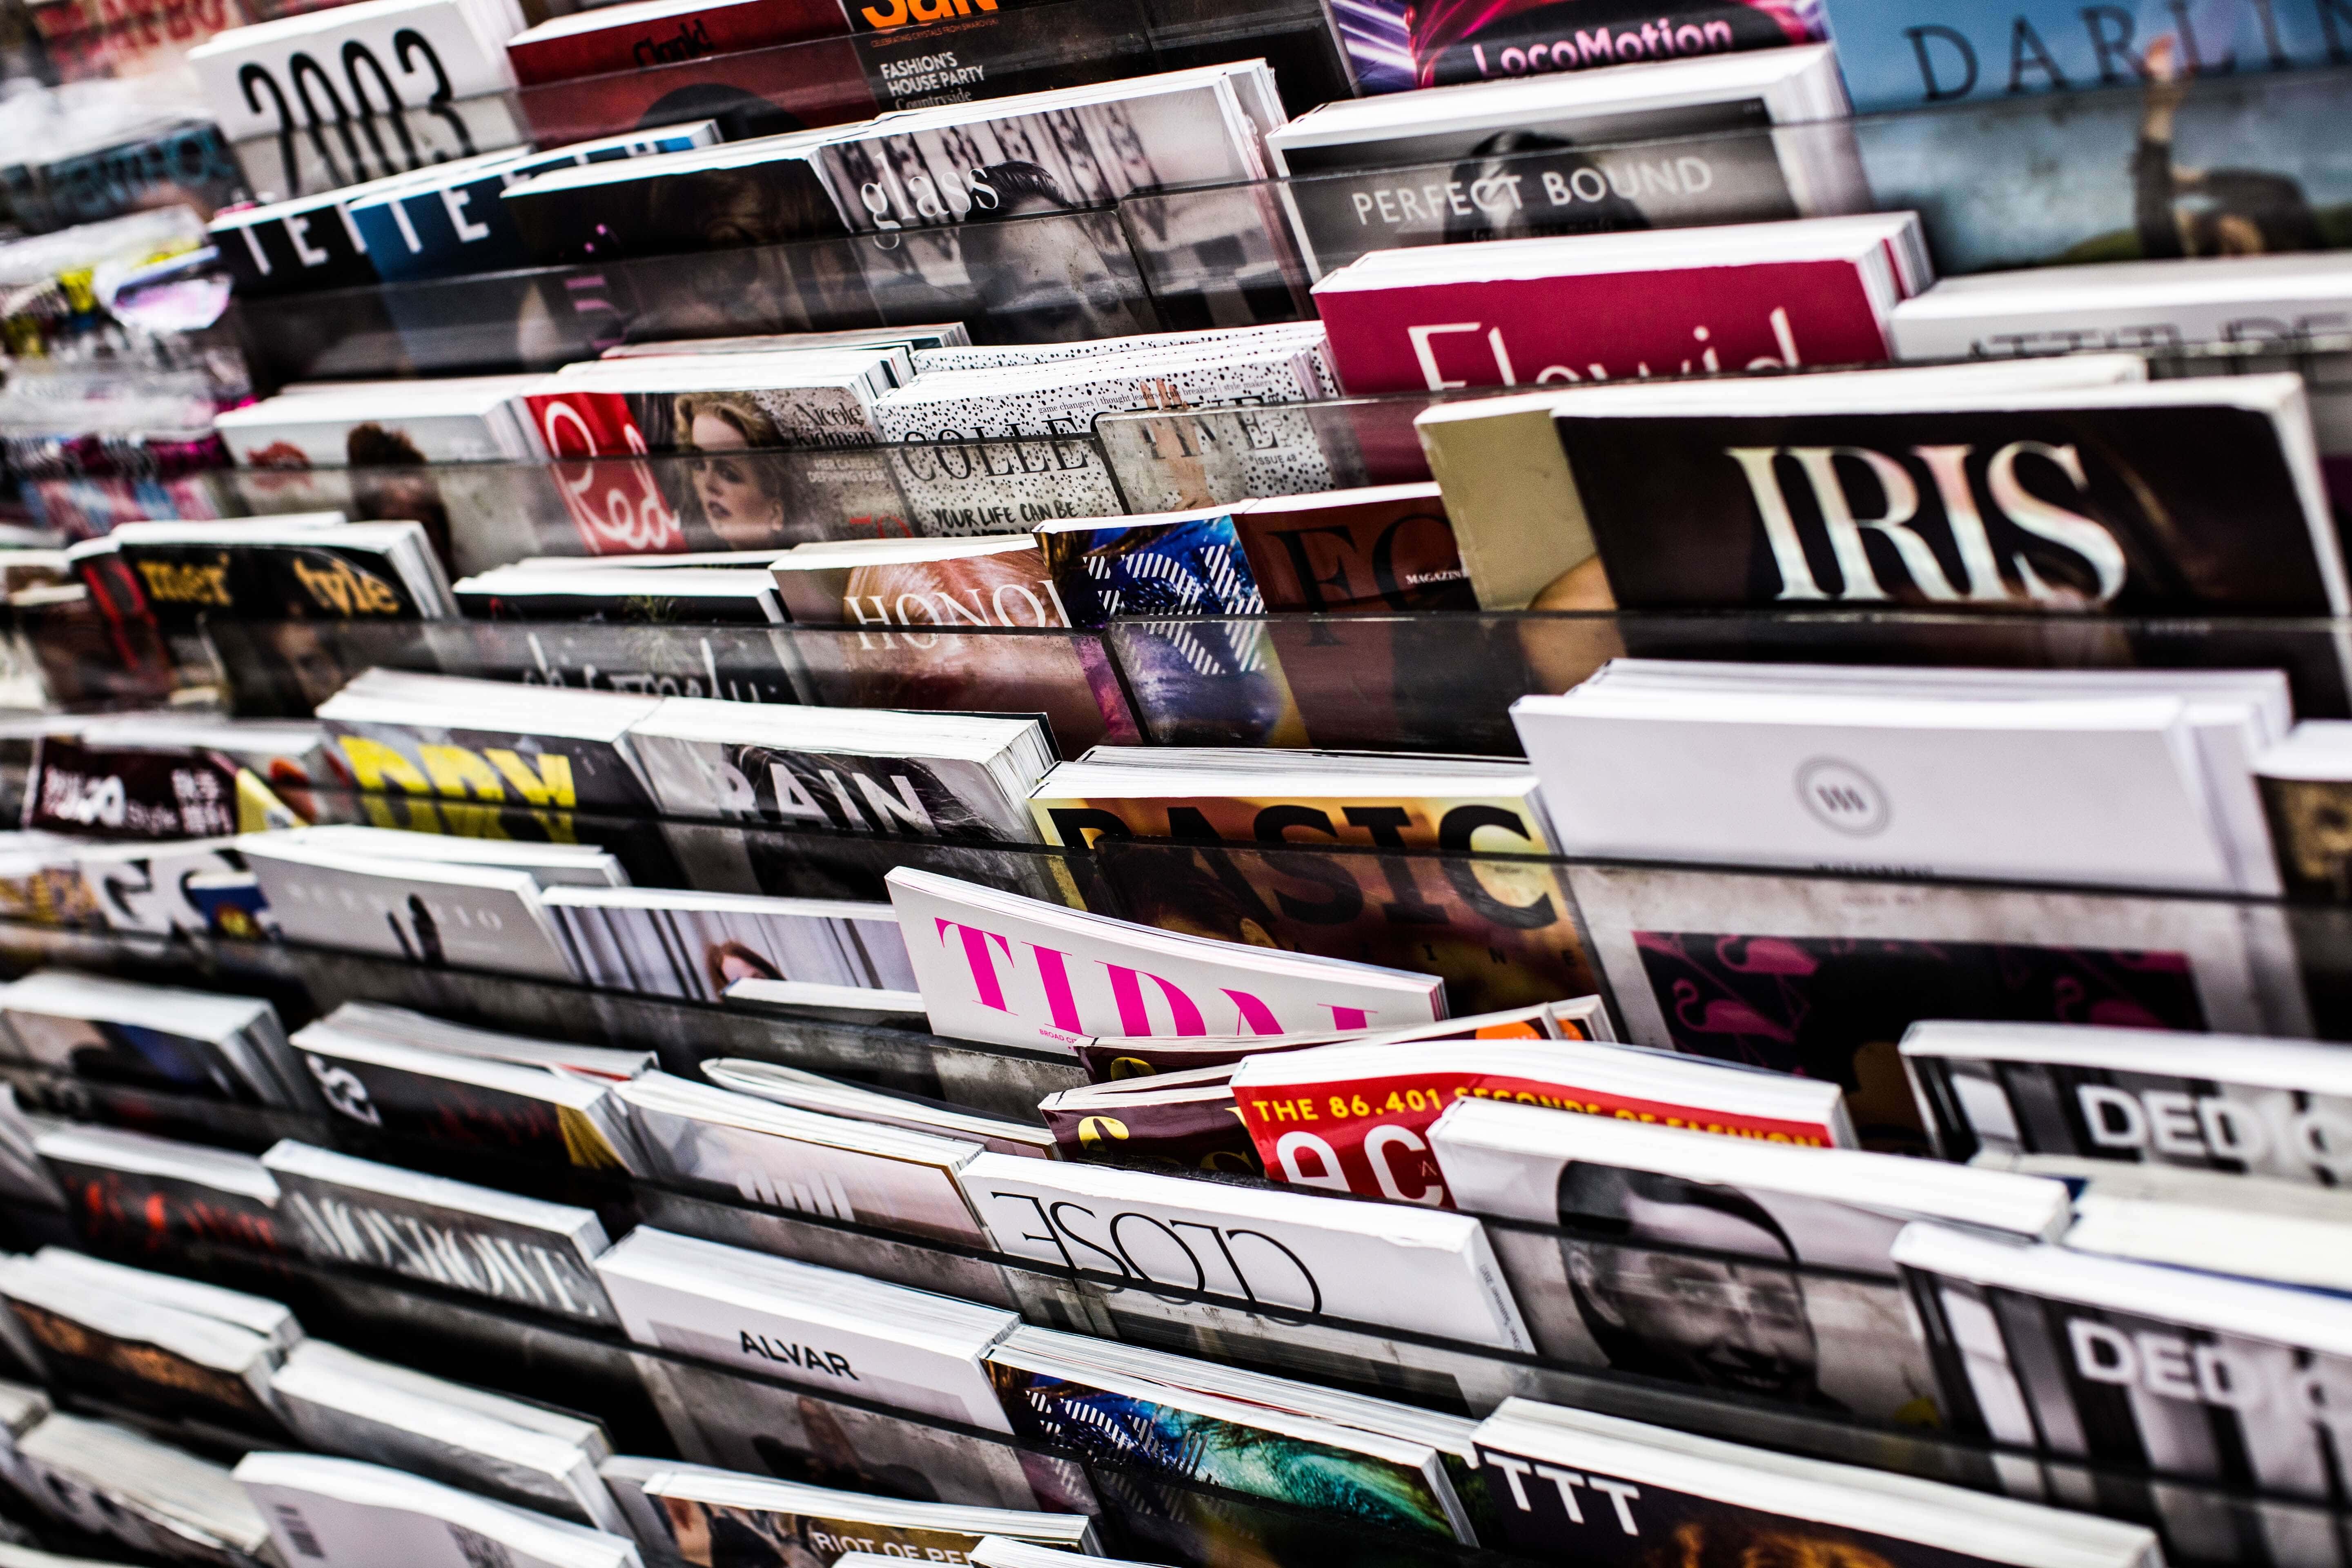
<point x="1364" y="1128"/>
<point x="758" y="93"/>
<point x="1616" y="326"/>
<point x="618" y="507"/>
<point x="638" y="37"/>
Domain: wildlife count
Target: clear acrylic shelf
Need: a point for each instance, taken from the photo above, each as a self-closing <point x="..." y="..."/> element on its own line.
<point x="495" y="513"/>
<point x="288" y="667"/>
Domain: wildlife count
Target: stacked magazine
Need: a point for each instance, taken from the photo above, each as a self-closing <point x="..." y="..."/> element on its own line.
<point x="779" y="1155"/>
<point x="947" y="775"/>
<point x="988" y="581"/>
<point x="821" y="1328"/>
<point x="475" y="1240"/>
<point x="835" y="1096"/>
<point x="1819" y="290"/>
<point x="347" y="1511"/>
<point x="338" y="1401"/>
<point x="153" y="1036"/>
<point x="1299" y="1250"/>
<point x="1394" y="1467"/>
<point x="1901" y="767"/>
<point x="447" y="419"/>
<point x="489" y="740"/>
<point x="388" y="1079"/>
<point x="712" y="402"/>
<point x="1712" y="139"/>
<point x="2212" y="1102"/>
<point x="288" y="568"/>
<point x="397" y="902"/>
<point x="790" y="1521"/>
<point x="112" y="1482"/>
<point x="1248" y="795"/>
<point x="686" y="596"/>
<point x="134" y="1192"/>
<point x="1354" y="1118"/>
<point x="1598" y="1488"/>
<point x="998" y="967"/>
<point x="661" y="943"/>
<point x="168" y="1348"/>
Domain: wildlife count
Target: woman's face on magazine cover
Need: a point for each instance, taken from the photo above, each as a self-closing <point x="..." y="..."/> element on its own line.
<point x="739" y="510"/>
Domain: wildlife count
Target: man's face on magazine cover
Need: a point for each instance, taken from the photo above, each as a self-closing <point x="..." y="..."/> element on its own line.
<point x="1708" y="1320"/>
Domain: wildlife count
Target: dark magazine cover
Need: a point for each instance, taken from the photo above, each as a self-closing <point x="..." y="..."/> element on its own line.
<point x="2147" y="511"/>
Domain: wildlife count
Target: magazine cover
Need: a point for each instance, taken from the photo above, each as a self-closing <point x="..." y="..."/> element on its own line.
<point x="1500" y="934"/>
<point x="1134" y="135"/>
<point x="2145" y="167"/>
<point x="765" y="1429"/>
<point x="2088" y="508"/>
<point x="1713" y="163"/>
<point x="1908" y="54"/>
<point x="1759" y="1294"/>
<point x="1136" y="1434"/>
<point x="466" y="1238"/>
<point x="148" y="1373"/>
<point x="1416" y="821"/>
<point x="452" y="1113"/>
<point x="1822" y="978"/>
<point x="2246" y="1107"/>
<point x="1001" y="588"/>
<point x="943" y="797"/>
<point x="155" y="793"/>
<point x="1376" y="551"/>
<point x="1218" y="672"/>
<point x="547" y="771"/>
<point x="2133" y="1364"/>
<point x="130" y="1054"/>
<point x="1151" y="1132"/>
<point x="1392" y="46"/>
<point x="131" y="1211"/>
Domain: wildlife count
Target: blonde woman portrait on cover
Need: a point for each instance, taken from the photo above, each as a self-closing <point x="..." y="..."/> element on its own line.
<point x="741" y="498"/>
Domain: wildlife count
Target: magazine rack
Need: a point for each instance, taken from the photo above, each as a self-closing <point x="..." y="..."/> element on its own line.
<point x="1978" y="173"/>
<point x="1177" y="460"/>
<point x="496" y="514"/>
<point x="304" y="983"/>
<point x="540" y="317"/>
<point x="1855" y="959"/>
<point x="656" y="1401"/>
<point x="884" y="66"/>
<point x="289" y="666"/>
<point x="1998" y="183"/>
<point x="1425" y="682"/>
<point x="1445" y="683"/>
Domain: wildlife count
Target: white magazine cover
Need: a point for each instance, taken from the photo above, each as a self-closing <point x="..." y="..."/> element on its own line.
<point x="1303" y="1251"/>
<point x="1989" y="789"/>
<point x="823" y="1329"/>
<point x="458" y="52"/>
<point x="439" y="915"/>
<point x="109" y="1480"/>
<point x="340" y="1403"/>
<point x="786" y="1158"/>
<point x="669" y="942"/>
<point x="997" y="967"/>
<point x="1729" y="1264"/>
<point x="347" y="1514"/>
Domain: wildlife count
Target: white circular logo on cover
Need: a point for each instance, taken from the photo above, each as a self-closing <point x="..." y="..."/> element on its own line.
<point x="1842" y="798"/>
